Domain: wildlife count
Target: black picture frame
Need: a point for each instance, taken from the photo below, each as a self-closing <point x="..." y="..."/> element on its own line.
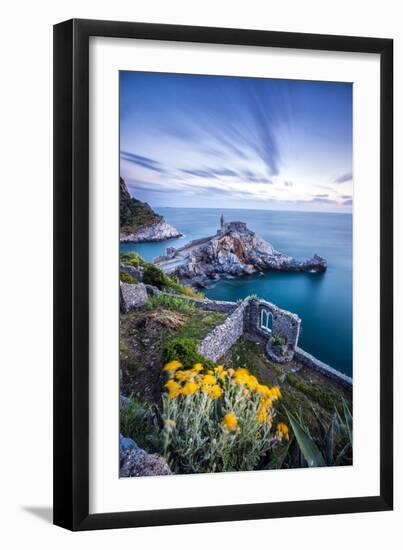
<point x="71" y="274"/>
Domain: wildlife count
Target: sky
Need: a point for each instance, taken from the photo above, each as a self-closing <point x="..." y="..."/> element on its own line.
<point x="230" y="142"/>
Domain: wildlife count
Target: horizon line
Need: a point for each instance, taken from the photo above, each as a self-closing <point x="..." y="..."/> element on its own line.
<point x="254" y="209"/>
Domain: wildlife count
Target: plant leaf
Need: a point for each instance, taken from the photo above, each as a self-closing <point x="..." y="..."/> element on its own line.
<point x="349" y="420"/>
<point x="329" y="440"/>
<point x="310" y="451"/>
<point x="277" y="462"/>
<point x="342" y="453"/>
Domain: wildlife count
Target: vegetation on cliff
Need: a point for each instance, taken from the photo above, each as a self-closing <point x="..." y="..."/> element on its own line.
<point x="134" y="214"/>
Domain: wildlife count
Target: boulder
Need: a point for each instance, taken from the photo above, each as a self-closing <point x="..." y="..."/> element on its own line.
<point x="136" y="273"/>
<point x="136" y="462"/>
<point x="126" y="444"/>
<point x="132" y="296"/>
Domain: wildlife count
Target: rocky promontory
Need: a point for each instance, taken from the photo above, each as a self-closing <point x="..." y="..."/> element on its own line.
<point x="139" y="223"/>
<point x="234" y="250"/>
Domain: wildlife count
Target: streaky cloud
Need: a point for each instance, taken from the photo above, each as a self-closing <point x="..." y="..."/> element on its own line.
<point x="145" y="162"/>
<point x="344" y="177"/>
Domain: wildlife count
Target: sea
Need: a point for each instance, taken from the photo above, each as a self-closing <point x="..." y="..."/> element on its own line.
<point x="322" y="301"/>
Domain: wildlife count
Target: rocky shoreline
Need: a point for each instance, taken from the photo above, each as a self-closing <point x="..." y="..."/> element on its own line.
<point x="156" y="232"/>
<point x="138" y="221"/>
<point x="235" y="250"/>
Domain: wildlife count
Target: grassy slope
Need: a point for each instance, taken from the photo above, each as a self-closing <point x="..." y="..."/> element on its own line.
<point x="303" y="390"/>
<point x="142" y="334"/>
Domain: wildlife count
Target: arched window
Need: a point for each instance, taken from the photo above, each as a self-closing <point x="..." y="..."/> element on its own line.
<point x="266" y="320"/>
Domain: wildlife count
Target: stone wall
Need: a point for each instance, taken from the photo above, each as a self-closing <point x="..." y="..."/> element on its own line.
<point x="245" y="319"/>
<point x="285" y="323"/>
<point x="310" y="361"/>
<point x="220" y="339"/>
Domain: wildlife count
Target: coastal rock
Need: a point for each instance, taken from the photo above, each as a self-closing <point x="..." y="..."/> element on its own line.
<point x="135" y="462"/>
<point x="138" y="221"/>
<point x="159" y="231"/>
<point x="132" y="296"/>
<point x="235" y="250"/>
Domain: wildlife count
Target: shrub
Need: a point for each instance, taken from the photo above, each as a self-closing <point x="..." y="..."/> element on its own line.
<point x="131" y="259"/>
<point x="126" y="277"/>
<point x="138" y="422"/>
<point x="171" y="302"/>
<point x="277" y="340"/>
<point x="219" y="420"/>
<point x="153" y="275"/>
<point x="184" y="350"/>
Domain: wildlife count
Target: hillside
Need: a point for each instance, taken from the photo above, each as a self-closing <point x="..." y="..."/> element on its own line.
<point x="139" y="222"/>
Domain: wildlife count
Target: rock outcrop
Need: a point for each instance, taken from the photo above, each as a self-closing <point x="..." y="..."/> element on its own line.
<point x="132" y="296"/>
<point x="139" y="222"/>
<point x="159" y="231"/>
<point x="235" y="250"/>
<point x="135" y="462"/>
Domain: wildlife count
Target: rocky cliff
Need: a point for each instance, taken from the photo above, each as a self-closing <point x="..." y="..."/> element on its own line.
<point x="139" y="222"/>
<point x="235" y="250"/>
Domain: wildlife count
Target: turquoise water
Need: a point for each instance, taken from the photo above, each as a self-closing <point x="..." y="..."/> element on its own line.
<point x="323" y="301"/>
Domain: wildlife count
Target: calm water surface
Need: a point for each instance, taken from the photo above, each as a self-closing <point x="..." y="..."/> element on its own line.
<point x="323" y="301"/>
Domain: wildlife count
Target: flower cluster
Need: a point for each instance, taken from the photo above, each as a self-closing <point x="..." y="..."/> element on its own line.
<point x="214" y="382"/>
<point x="196" y="379"/>
<point x="228" y="408"/>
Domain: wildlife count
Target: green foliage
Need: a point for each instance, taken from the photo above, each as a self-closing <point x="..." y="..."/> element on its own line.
<point x="131" y="259"/>
<point x="277" y="340"/>
<point x="183" y="350"/>
<point x="215" y="433"/>
<point x="326" y="399"/>
<point x="139" y="422"/>
<point x="134" y="214"/>
<point x="198" y="326"/>
<point x="126" y="277"/>
<point x="169" y="301"/>
<point x="246" y="354"/>
<point x="153" y="275"/>
<point x="333" y="446"/>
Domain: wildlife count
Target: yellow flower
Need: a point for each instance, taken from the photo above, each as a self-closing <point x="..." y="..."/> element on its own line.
<point x="189" y="388"/>
<point x="173" y="389"/>
<point x="219" y="368"/>
<point x="230" y="422"/>
<point x="261" y="415"/>
<point x="276" y="391"/>
<point x="198" y="367"/>
<point x="252" y="382"/>
<point x="208" y="379"/>
<point x="215" y="391"/>
<point x="282" y="431"/>
<point x="172" y="365"/>
<point x="230" y="372"/>
<point x="241" y="376"/>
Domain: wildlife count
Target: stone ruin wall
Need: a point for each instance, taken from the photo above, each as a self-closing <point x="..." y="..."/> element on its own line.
<point x="222" y="337"/>
<point x="245" y="320"/>
<point x="285" y="323"/>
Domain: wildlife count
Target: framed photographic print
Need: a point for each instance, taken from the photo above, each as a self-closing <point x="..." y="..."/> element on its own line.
<point x="223" y="321"/>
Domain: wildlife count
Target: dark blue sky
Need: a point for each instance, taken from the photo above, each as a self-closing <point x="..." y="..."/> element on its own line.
<point x="230" y="142"/>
